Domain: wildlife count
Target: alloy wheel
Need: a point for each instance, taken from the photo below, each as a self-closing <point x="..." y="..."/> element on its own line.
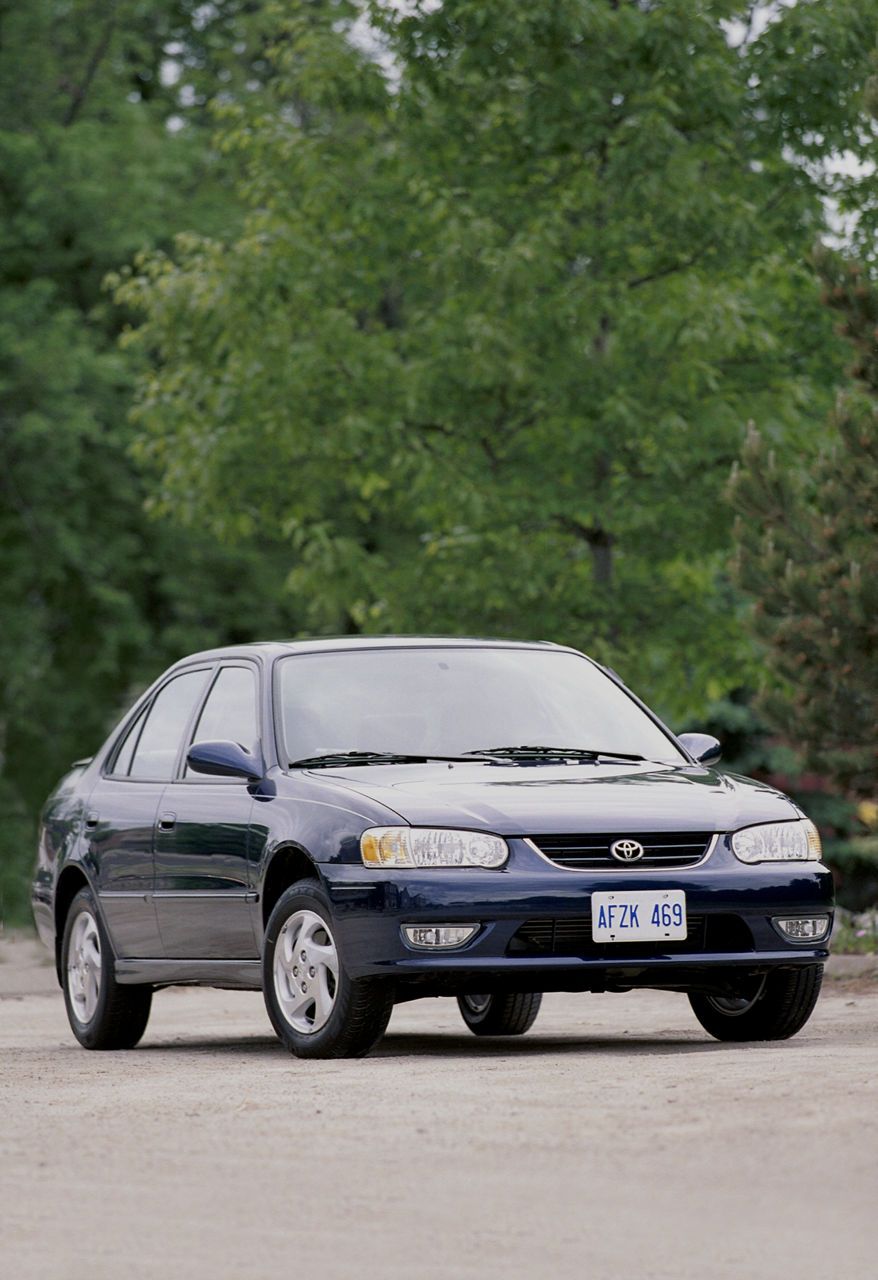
<point x="306" y="972"/>
<point x="84" y="967"/>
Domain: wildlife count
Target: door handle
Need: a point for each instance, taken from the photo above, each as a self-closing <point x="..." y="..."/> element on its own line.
<point x="167" y="821"/>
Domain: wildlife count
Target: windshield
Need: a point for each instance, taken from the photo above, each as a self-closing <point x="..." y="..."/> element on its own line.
<point x="450" y="701"/>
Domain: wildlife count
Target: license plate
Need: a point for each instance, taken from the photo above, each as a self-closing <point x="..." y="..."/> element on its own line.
<point x="639" y="915"/>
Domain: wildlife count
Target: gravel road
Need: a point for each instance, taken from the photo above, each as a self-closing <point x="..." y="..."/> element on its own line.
<point x="615" y="1140"/>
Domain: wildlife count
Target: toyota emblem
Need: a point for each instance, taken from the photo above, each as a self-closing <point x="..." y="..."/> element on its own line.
<point x="626" y="850"/>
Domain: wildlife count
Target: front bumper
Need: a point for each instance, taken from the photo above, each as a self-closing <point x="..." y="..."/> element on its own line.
<point x="535" y="924"/>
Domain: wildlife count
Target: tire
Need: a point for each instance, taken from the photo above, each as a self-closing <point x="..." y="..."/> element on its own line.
<point x="773" y="1007"/>
<point x="509" y="1015"/>
<point x="316" y="1008"/>
<point x="102" y="1013"/>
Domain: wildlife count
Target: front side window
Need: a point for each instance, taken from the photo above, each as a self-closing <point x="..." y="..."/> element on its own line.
<point x="156" y="752"/>
<point x="229" y="712"/>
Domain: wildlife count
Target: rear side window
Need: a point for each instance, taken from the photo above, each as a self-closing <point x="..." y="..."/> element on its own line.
<point x="155" y="754"/>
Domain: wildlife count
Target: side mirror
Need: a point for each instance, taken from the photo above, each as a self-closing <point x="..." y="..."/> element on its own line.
<point x="702" y="747"/>
<point x="224" y="760"/>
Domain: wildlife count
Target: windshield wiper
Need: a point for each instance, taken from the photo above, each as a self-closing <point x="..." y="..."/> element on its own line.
<point x="330" y="758"/>
<point x="553" y="753"/>
<point x="491" y="755"/>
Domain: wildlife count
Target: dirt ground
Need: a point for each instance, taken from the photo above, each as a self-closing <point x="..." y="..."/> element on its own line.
<point x="615" y="1140"/>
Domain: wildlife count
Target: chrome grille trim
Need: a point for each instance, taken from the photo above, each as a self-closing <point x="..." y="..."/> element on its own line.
<point x="706" y="842"/>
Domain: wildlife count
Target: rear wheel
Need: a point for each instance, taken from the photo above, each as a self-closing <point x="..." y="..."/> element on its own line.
<point x="102" y="1013"/>
<point x="500" y="1015"/>
<point x="315" y="1007"/>
<point x="771" y="1007"/>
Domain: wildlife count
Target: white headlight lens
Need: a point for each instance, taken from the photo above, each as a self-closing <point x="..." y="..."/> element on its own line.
<point x="778" y="842"/>
<point x="428" y="847"/>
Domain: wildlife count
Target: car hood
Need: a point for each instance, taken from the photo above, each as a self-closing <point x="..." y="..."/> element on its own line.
<point x="521" y="800"/>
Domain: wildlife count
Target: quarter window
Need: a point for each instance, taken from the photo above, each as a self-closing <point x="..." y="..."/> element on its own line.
<point x="122" y="762"/>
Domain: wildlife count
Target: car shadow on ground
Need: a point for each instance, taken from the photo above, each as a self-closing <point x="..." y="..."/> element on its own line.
<point x="453" y="1046"/>
<point x="445" y="1046"/>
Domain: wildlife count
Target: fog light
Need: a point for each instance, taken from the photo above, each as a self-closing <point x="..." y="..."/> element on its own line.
<point x="442" y="937"/>
<point x="800" y="929"/>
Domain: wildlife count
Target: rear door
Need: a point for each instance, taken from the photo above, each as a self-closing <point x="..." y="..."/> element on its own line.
<point x="122" y="810"/>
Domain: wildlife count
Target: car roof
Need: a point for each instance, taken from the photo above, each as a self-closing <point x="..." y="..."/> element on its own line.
<point x="268" y="650"/>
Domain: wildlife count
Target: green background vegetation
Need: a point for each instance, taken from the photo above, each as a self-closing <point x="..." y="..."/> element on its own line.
<point x="337" y="318"/>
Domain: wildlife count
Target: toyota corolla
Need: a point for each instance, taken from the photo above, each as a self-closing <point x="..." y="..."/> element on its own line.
<point x="348" y="824"/>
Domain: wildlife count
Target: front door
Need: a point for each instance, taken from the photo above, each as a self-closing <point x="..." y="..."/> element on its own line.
<point x="204" y="901"/>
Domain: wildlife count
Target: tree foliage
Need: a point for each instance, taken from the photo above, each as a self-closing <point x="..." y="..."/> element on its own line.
<point x="95" y="597"/>
<point x="502" y="301"/>
<point x="471" y="301"/>
<point x="807" y="550"/>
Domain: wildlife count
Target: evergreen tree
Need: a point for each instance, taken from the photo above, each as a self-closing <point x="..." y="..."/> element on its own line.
<point x="807" y="550"/>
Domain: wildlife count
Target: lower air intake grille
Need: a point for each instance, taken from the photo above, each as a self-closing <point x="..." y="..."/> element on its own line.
<point x="572" y="937"/>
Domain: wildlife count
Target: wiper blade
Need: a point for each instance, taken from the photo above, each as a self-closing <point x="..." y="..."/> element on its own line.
<point x="522" y="754"/>
<point x="330" y="758"/>
<point x="554" y="753"/>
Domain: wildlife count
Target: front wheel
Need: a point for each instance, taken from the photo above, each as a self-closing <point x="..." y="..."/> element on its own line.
<point x="509" y="1015"/>
<point x="771" y="1007"/>
<point x="316" y="1008"/>
<point x="102" y="1013"/>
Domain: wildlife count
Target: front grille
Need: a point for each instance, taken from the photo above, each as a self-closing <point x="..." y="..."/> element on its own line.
<point x="592" y="852"/>
<point x="572" y="937"/>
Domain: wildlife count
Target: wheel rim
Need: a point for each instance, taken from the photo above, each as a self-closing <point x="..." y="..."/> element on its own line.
<point x="476" y="1005"/>
<point x="734" y="1006"/>
<point x="84" y="968"/>
<point x="306" y="972"/>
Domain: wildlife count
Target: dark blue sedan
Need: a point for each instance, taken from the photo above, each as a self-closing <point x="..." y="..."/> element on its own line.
<point x="348" y="824"/>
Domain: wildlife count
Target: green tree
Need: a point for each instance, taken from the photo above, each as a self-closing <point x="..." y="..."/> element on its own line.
<point x="95" y="597"/>
<point x="807" y="550"/>
<point x="503" y="299"/>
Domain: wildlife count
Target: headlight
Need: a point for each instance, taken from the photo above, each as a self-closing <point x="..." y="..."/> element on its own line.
<point x="778" y="842"/>
<point x="425" y="847"/>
